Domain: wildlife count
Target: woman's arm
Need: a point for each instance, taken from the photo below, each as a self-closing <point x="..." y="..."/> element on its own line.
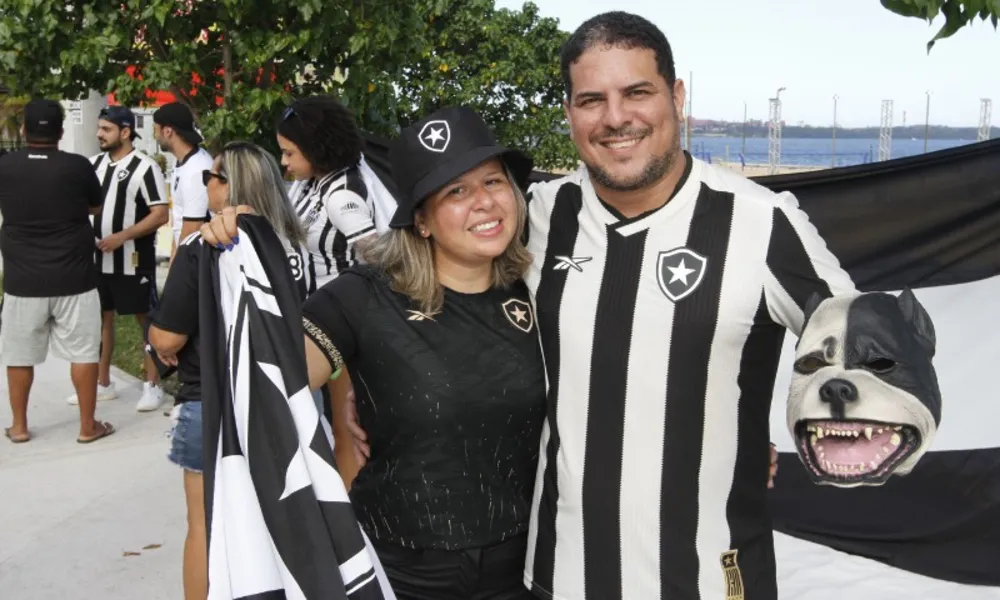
<point x="166" y="344"/>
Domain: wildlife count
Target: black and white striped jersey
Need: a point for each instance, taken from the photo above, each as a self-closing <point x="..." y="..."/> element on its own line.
<point x="336" y="212"/>
<point x="661" y="336"/>
<point x="130" y="187"/>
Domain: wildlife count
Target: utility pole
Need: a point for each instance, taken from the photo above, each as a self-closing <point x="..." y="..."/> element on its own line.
<point x="985" y="116"/>
<point x="774" y="134"/>
<point x="833" y="161"/>
<point x="743" y="150"/>
<point x="690" y="95"/>
<point x="927" y="121"/>
<point x="885" y="133"/>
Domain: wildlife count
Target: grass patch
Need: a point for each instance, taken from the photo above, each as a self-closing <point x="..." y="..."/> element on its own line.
<point x="129" y="354"/>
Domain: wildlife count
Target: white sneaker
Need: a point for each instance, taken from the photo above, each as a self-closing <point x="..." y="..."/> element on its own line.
<point x="103" y="393"/>
<point x="152" y="397"/>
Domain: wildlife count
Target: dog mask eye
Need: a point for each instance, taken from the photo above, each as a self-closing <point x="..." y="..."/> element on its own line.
<point x="809" y="364"/>
<point x="880" y="365"/>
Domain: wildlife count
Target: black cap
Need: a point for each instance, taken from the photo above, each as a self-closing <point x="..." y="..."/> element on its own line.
<point x="178" y="117"/>
<point x="439" y="148"/>
<point x="120" y="116"/>
<point x="43" y="117"/>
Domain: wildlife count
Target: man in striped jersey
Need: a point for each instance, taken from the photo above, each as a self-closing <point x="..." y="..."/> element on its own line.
<point x="135" y="206"/>
<point x="176" y="133"/>
<point x="664" y="287"/>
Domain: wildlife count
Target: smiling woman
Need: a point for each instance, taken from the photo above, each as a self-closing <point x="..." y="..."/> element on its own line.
<point x="439" y="333"/>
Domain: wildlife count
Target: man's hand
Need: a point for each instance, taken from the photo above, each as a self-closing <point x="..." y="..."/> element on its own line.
<point x="774" y="467"/>
<point x="111" y="243"/>
<point x="221" y="230"/>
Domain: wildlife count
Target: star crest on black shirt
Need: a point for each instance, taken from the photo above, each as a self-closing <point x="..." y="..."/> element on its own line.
<point x="518" y="312"/>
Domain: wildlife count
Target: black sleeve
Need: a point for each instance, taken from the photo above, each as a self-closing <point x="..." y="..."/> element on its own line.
<point x="333" y="316"/>
<point x="91" y="184"/>
<point x="177" y="310"/>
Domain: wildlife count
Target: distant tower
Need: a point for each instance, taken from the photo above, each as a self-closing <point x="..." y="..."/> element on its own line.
<point x="885" y="133"/>
<point x="904" y="119"/>
<point x="985" y="116"/>
<point x="774" y="134"/>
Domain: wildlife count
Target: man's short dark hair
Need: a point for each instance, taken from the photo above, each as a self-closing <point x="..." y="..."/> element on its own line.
<point x="325" y="132"/>
<point x="42" y="139"/>
<point x="621" y="30"/>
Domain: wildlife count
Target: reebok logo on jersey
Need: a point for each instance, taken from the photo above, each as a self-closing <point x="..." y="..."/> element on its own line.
<point x="565" y="263"/>
<point x="349" y="207"/>
<point x="679" y="272"/>
<point x="416" y="315"/>
<point x="518" y="312"/>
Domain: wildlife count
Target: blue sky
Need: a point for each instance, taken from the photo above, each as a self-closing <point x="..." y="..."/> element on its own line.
<point x="744" y="50"/>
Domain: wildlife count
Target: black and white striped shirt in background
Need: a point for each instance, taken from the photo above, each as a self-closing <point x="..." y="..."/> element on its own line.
<point x="661" y="336"/>
<point x="130" y="187"/>
<point x="337" y="213"/>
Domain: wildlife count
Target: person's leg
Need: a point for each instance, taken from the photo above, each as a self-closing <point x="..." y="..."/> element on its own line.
<point x="186" y="452"/>
<point x="24" y="340"/>
<point x="105" y="387"/>
<point x="195" y="544"/>
<point x="134" y="296"/>
<point x="76" y="337"/>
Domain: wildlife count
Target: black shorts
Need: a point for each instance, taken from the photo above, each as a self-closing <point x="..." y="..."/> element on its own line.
<point x="492" y="573"/>
<point x="127" y="294"/>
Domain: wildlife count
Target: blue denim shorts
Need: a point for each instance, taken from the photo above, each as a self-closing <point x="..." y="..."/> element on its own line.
<point x="186" y="437"/>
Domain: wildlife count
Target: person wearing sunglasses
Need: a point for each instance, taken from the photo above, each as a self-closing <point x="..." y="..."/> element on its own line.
<point x="242" y="175"/>
<point x="439" y="328"/>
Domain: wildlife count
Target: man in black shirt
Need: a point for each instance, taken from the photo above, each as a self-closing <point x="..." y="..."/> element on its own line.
<point x="50" y="279"/>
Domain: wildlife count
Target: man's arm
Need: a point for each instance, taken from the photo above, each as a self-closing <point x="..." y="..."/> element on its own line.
<point x="799" y="265"/>
<point x="195" y="200"/>
<point x="154" y="194"/>
<point x="91" y="188"/>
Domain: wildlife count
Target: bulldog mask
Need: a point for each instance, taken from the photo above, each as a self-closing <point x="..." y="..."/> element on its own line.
<point x="864" y="402"/>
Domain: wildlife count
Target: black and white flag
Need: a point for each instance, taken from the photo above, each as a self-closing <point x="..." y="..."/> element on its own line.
<point x="278" y="515"/>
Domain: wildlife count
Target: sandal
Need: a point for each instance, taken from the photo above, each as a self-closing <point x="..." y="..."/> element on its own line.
<point x="106" y="430"/>
<point x="17" y="439"/>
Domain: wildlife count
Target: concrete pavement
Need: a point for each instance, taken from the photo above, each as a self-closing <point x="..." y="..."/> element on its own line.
<point x="72" y="515"/>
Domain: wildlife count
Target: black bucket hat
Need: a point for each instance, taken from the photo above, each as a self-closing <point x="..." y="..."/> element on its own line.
<point x="439" y="148"/>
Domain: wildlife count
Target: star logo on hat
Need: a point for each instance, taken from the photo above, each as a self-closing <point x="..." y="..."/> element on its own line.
<point x="435" y="136"/>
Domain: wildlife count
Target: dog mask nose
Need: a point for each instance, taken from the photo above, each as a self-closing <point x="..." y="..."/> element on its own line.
<point x="837" y="393"/>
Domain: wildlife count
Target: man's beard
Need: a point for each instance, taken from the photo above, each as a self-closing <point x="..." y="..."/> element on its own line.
<point x="163" y="147"/>
<point x="655" y="168"/>
<point x="110" y="146"/>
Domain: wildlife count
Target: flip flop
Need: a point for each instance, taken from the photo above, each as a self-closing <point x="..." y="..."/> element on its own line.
<point x="106" y="430"/>
<point x="17" y="439"/>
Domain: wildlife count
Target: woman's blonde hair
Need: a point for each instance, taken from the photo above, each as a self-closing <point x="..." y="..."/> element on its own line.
<point x="255" y="181"/>
<point x="408" y="259"/>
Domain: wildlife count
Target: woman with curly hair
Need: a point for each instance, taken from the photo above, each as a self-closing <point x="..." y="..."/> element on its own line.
<point x="321" y="149"/>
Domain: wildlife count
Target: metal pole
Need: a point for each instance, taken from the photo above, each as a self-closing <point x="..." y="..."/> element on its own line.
<point x="743" y="151"/>
<point x="833" y="161"/>
<point x="690" y="107"/>
<point x="927" y="121"/>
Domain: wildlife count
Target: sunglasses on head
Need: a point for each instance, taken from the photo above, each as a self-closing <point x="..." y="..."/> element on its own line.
<point x="207" y="176"/>
<point x="289" y="113"/>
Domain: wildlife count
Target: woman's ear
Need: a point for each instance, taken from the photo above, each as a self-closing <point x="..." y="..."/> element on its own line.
<point x="421" y="224"/>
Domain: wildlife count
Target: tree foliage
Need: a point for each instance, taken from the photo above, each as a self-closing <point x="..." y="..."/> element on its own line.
<point x="238" y="63"/>
<point x="957" y="13"/>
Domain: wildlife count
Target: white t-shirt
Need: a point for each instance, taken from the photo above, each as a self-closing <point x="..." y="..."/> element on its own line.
<point x="190" y="197"/>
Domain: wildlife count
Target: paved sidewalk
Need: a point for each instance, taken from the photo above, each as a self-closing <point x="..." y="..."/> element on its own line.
<point x="71" y="514"/>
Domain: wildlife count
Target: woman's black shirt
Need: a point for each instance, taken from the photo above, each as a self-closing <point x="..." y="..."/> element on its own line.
<point x="453" y="405"/>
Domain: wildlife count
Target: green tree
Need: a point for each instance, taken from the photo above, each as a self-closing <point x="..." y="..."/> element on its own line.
<point x="503" y="63"/>
<point x="237" y="63"/>
<point x="957" y="13"/>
